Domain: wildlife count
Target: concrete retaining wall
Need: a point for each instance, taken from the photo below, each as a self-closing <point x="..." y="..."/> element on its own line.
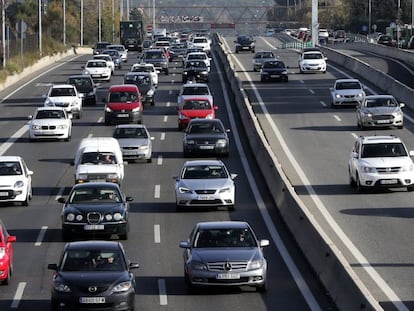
<point x="342" y="283"/>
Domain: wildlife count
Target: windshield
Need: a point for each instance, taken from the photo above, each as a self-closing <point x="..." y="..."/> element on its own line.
<point x="98" y="158"/>
<point x="94" y="195"/>
<point x="204" y="172"/>
<point x="123" y="97"/>
<point x="196" y="90"/>
<point x="99" y="260"/>
<point x="380" y="102"/>
<point x="10" y="168"/>
<point x="50" y="114"/>
<point x="211" y="127"/>
<point x="196" y="105"/>
<point x="65" y="91"/>
<point x="348" y="86"/>
<point x="383" y="150"/>
<point x="130" y="132"/>
<point x="224" y="238"/>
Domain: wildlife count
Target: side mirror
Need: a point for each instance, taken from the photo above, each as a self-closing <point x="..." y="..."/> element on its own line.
<point x="129" y="199"/>
<point x="11" y="238"/>
<point x="184" y="244"/>
<point x="61" y="200"/>
<point x="29" y="117"/>
<point x="52" y="266"/>
<point x="402" y="105"/>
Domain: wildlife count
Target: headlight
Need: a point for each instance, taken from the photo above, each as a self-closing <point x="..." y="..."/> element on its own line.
<point x="107" y="109"/>
<point x="182" y="116"/>
<point x="190" y="142"/>
<point x="74" y="103"/>
<point x="79" y="217"/>
<point x="19" y="184"/>
<point x="367" y="114"/>
<point x="122" y="287"/>
<point x="209" y="116"/>
<point x="224" y="190"/>
<point x="184" y="190"/>
<point x="221" y="142"/>
<point x="256" y="264"/>
<point x="86" y="72"/>
<point x="196" y="265"/>
<point x="150" y="93"/>
<point x="2" y="252"/>
<point x="108" y="217"/>
<point x="118" y="216"/>
<point x="408" y="168"/>
<point x="82" y="176"/>
<point x="60" y="287"/>
<point x="338" y="95"/>
<point x="368" y="169"/>
<point x="137" y="109"/>
<point x="112" y="176"/>
<point x="70" y="217"/>
<point x="62" y="126"/>
<point x="35" y="127"/>
<point x="48" y="103"/>
<point x="284" y="72"/>
<point x="143" y="147"/>
<point x="360" y="95"/>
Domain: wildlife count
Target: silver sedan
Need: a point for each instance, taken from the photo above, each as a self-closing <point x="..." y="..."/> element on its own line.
<point x="224" y="253"/>
<point x="135" y="142"/>
<point x="204" y="183"/>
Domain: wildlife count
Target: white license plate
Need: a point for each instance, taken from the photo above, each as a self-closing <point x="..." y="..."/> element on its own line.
<point x="389" y="182"/>
<point x="383" y="121"/>
<point x="4" y="194"/>
<point x="228" y="276"/>
<point x="123" y="115"/>
<point x="93" y="227"/>
<point x="207" y="147"/>
<point x="92" y="299"/>
<point x="204" y="197"/>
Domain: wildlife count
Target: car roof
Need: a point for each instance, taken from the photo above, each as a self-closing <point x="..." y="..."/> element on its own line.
<point x="96" y="60"/>
<point x="194" y="84"/>
<point x="138" y="73"/>
<point x="378" y="96"/>
<point x="203" y="162"/>
<point x="123" y="87"/>
<point x="61" y="86"/>
<point x="380" y="139"/>
<point x="93" y="245"/>
<point x="223" y="225"/>
<point x="9" y="158"/>
<point x="130" y="126"/>
<point x="80" y="77"/>
<point x="346" y="80"/>
<point x="199" y="120"/>
<point x="96" y="184"/>
<point x="50" y="108"/>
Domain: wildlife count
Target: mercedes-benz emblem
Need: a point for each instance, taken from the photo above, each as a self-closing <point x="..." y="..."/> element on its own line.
<point x="92" y="289"/>
<point x="227" y="266"/>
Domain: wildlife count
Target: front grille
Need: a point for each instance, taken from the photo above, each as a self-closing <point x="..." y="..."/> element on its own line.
<point x="383" y="117"/>
<point x="388" y="170"/>
<point x="205" y="191"/>
<point x="206" y="202"/>
<point x="130" y="148"/>
<point x="205" y="141"/>
<point x="60" y="104"/>
<point x="9" y="195"/>
<point x="96" y="177"/>
<point x="47" y="127"/>
<point x="238" y="281"/>
<point x="99" y="289"/>
<point x="94" y="218"/>
<point x="227" y="266"/>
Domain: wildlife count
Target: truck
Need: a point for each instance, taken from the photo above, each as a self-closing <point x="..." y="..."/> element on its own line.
<point x="132" y="34"/>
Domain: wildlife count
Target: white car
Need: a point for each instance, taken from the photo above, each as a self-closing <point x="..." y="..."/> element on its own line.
<point x="380" y="162"/>
<point x="98" y="69"/>
<point x="347" y="92"/>
<point x="50" y="123"/>
<point x="198" y="56"/>
<point x="379" y="111"/>
<point x="202" y="42"/>
<point x="65" y="96"/>
<point x="121" y="49"/>
<point x="312" y="61"/>
<point x="204" y="183"/>
<point x="15" y="180"/>
<point x="108" y="59"/>
<point x="143" y="67"/>
<point x="191" y="90"/>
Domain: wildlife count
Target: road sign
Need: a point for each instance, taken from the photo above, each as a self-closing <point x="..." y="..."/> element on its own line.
<point x="149" y="27"/>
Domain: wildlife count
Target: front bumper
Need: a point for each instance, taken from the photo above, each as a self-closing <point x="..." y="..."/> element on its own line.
<point x="211" y="149"/>
<point x="382" y="121"/>
<point x="386" y="180"/>
<point x="120" y="228"/>
<point x="13" y="195"/>
<point x="134" y="153"/>
<point x="123" y="117"/>
<point x="210" y="200"/>
<point x="48" y="134"/>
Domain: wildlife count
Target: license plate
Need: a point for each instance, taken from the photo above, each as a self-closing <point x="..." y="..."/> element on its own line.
<point x="4" y="194"/>
<point x="228" y="276"/>
<point x="203" y="197"/>
<point x="123" y="115"/>
<point x="93" y="227"/>
<point x="92" y="299"/>
<point x="389" y="182"/>
<point x="383" y="121"/>
<point x="97" y="180"/>
<point x="207" y="147"/>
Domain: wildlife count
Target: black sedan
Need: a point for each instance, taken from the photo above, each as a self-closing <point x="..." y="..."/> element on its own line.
<point x="93" y="275"/>
<point x="196" y="71"/>
<point x="206" y="136"/>
<point x="84" y="85"/>
<point x="274" y="69"/>
<point x="144" y="83"/>
<point x="95" y="209"/>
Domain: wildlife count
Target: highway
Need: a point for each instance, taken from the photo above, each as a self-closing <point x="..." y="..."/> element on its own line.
<point x="156" y="227"/>
<point x="313" y="143"/>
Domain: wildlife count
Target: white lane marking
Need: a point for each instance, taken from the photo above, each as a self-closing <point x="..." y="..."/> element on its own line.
<point x="100" y="120"/>
<point x="168" y="104"/>
<point x="277" y="240"/>
<point x="312" y="91"/>
<point x="18" y="295"/>
<point x="9" y="142"/>
<point x="162" y="137"/>
<point x="159" y="160"/>
<point x="337" y="118"/>
<point x="165" y="118"/>
<point x="41" y="236"/>
<point x="157" y="234"/>
<point x="323" y="103"/>
<point x="157" y="191"/>
<point x="60" y="192"/>
<point x="170" y="92"/>
<point x="363" y="262"/>
<point x="163" y="292"/>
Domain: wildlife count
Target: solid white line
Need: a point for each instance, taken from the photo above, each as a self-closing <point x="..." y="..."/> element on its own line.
<point x="157" y="234"/>
<point x="277" y="240"/>
<point x="162" y="137"/>
<point x="41" y="236"/>
<point x="9" y="142"/>
<point x="157" y="191"/>
<point x="163" y="292"/>
<point x="159" y="160"/>
<point x="18" y="295"/>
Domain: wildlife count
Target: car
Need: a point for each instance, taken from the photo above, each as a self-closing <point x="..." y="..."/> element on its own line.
<point x="146" y="44"/>
<point x="195" y="71"/>
<point x="269" y="32"/>
<point x="86" y="86"/>
<point x="244" y="43"/>
<point x="95" y="209"/>
<point x="98" y="69"/>
<point x="156" y="57"/>
<point x="223" y="254"/>
<point x="378" y="111"/>
<point x="197" y="107"/>
<point x="16" y="180"/>
<point x="380" y="162"/>
<point x="146" y="68"/>
<point x="386" y="40"/>
<point x="178" y="50"/>
<point x="198" y="56"/>
<point x="260" y="57"/>
<point x="6" y="254"/>
<point x="206" y="136"/>
<point x="50" y="123"/>
<point x="123" y="104"/>
<point x="135" y="142"/>
<point x="201" y="42"/>
<point x="274" y="69"/>
<point x="194" y="89"/>
<point x="100" y="46"/>
<point x="347" y="92"/>
<point x="115" y="56"/>
<point x="204" y="183"/>
<point x="93" y="275"/>
<point x="312" y="61"/>
<point x="65" y="96"/>
<point x="123" y="52"/>
<point x="144" y="82"/>
<point x="108" y="59"/>
<point x="323" y="35"/>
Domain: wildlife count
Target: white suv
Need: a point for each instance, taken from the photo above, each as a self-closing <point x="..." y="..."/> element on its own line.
<point x="380" y="161"/>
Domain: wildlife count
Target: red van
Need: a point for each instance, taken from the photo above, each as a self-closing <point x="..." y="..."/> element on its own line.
<point x="123" y="105"/>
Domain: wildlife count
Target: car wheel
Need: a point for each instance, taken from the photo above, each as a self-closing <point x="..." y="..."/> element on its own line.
<point x="237" y="51"/>
<point x="53" y="306"/>
<point x="262" y="79"/>
<point x="149" y="160"/>
<point x="69" y="137"/>
<point x="254" y="69"/>
<point x="107" y="122"/>
<point x="410" y="188"/>
<point x="360" y="187"/>
<point x="352" y="182"/>
<point x="26" y="201"/>
<point x="230" y="208"/>
<point x="166" y="72"/>
<point x="7" y="280"/>
<point x="79" y="115"/>
<point x="153" y="103"/>
<point x="261" y="288"/>
<point x="400" y="127"/>
<point x="123" y="236"/>
<point x="66" y="236"/>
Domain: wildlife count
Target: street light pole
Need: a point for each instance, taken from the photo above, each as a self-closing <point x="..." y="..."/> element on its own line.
<point x="99" y="21"/>
<point x="81" y="23"/>
<point x="3" y="32"/>
<point x="64" y="22"/>
<point x="40" y="26"/>
<point x="153" y="14"/>
<point x="369" y="16"/>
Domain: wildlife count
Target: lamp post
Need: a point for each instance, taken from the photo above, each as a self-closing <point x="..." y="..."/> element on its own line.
<point x="81" y="23"/>
<point x="3" y="32"/>
<point x="64" y="22"/>
<point x="369" y="16"/>
<point x="99" y="21"/>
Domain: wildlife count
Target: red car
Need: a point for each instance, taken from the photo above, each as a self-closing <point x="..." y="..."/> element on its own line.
<point x="6" y="254"/>
<point x="192" y="108"/>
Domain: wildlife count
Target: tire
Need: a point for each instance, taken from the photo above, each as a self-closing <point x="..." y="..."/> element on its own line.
<point x="230" y="208"/>
<point x="53" y="306"/>
<point x="123" y="237"/>
<point x="410" y="188"/>
<point x="107" y="122"/>
<point x="149" y="160"/>
<point x="352" y="182"/>
<point x="359" y="187"/>
<point x="7" y="280"/>
<point x="261" y="288"/>
<point x="66" y="235"/>
<point x="26" y="201"/>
